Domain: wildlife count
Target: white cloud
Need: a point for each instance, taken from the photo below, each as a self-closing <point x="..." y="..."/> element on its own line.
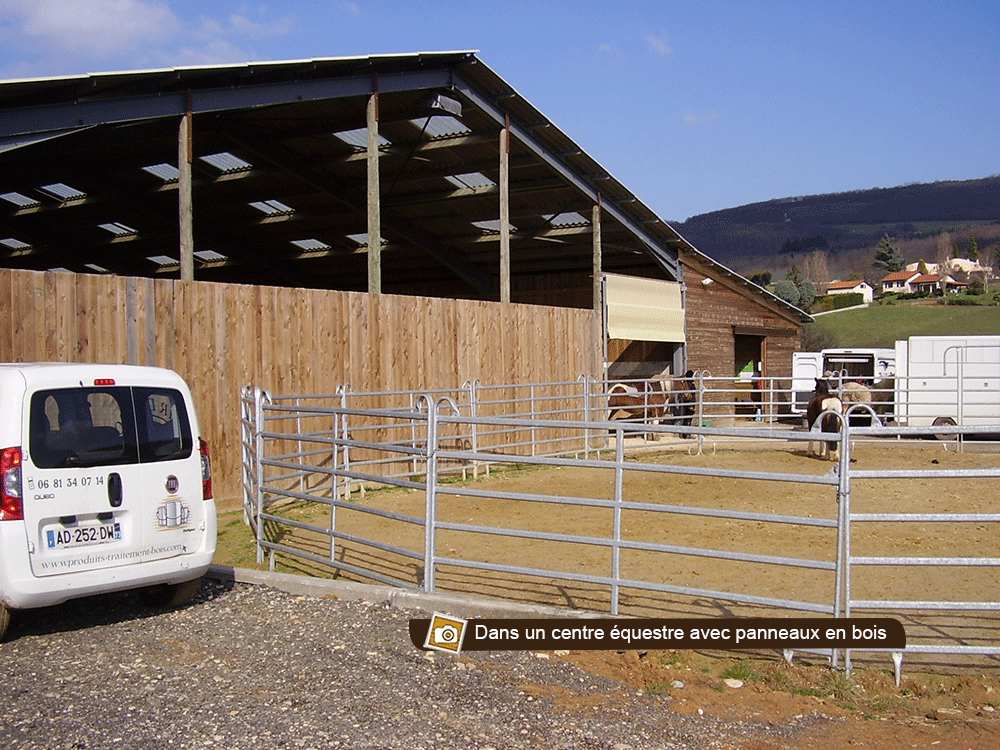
<point x="699" y="118"/>
<point x="92" y="28"/>
<point x="610" y="49"/>
<point x="659" y="45"/>
<point x="353" y="9"/>
<point x="242" y="24"/>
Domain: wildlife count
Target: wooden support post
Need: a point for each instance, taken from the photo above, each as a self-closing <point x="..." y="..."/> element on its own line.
<point x="374" y="202"/>
<point x="595" y="223"/>
<point x="185" y="202"/>
<point x="505" y="212"/>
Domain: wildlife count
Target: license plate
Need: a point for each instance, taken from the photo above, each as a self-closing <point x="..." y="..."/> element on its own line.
<point x="83" y="535"/>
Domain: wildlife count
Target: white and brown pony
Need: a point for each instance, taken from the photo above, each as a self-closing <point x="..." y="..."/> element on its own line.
<point x="821" y="414"/>
<point x="645" y="401"/>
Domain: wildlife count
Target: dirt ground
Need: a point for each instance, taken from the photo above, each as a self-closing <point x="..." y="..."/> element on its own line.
<point x="943" y="701"/>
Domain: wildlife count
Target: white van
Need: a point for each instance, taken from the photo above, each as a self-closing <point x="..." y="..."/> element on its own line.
<point x="105" y="485"/>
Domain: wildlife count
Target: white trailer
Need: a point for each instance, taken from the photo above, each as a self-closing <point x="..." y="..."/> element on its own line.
<point x="948" y="380"/>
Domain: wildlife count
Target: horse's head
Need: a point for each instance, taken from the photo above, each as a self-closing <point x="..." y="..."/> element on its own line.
<point x="822" y="387"/>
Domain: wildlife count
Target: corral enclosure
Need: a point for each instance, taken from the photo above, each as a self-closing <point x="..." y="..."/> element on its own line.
<point x="219" y="337"/>
<point x="735" y="521"/>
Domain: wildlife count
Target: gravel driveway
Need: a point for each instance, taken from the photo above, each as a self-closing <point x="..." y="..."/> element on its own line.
<point x="251" y="666"/>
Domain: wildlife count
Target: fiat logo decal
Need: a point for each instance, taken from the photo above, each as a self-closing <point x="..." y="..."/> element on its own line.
<point x="172" y="484"/>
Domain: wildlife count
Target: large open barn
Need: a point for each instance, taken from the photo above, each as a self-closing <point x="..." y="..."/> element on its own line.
<point x="216" y="220"/>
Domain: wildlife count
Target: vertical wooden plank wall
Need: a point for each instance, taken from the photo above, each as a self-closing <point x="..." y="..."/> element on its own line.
<point x="220" y="337"/>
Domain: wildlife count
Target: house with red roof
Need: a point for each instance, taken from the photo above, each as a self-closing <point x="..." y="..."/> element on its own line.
<point x="899" y="282"/>
<point x="931" y="283"/>
<point x="859" y="286"/>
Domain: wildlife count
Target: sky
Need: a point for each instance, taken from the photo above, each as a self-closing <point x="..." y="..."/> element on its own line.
<point x="693" y="106"/>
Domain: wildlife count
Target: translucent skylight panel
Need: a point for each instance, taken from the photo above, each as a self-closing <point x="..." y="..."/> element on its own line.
<point x="63" y="192"/>
<point x="493" y="225"/>
<point x="226" y="163"/>
<point x="14" y="244"/>
<point x="441" y="125"/>
<point x="20" y="200"/>
<point x="361" y="239"/>
<point x="60" y="269"/>
<point x="569" y="219"/>
<point x="166" y="172"/>
<point x="95" y="267"/>
<point x="358" y="138"/>
<point x="273" y="208"/>
<point x="470" y="180"/>
<point x="118" y="229"/>
<point x="164" y="260"/>
<point x="209" y="256"/>
<point x="313" y="244"/>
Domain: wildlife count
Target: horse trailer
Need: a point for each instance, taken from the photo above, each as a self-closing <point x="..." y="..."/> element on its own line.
<point x="929" y="380"/>
<point x="948" y="380"/>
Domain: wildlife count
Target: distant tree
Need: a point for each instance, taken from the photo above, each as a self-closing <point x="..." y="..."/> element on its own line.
<point x="973" y="253"/>
<point x="761" y="279"/>
<point x="887" y="256"/>
<point x="922" y="268"/>
<point x="787" y="290"/>
<point x="794" y="275"/>
<point x="807" y="294"/>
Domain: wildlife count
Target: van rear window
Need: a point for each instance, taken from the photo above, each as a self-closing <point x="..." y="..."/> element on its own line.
<point x="106" y="426"/>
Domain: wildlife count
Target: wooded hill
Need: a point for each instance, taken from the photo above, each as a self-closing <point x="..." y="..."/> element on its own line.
<point x="835" y="235"/>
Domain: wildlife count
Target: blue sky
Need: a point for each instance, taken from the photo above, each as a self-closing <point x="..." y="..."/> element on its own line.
<point x="695" y="106"/>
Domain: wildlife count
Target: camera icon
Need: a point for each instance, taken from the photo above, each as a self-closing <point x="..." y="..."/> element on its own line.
<point x="445" y="633"/>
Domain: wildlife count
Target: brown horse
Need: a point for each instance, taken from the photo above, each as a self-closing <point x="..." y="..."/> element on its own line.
<point x="684" y="398"/>
<point x="821" y="403"/>
<point x="646" y="401"/>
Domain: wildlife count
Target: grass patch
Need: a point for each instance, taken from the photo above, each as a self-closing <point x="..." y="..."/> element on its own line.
<point x="883" y="326"/>
<point x="746" y="671"/>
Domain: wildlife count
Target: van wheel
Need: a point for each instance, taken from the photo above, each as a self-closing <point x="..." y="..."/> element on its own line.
<point x="4" y="620"/>
<point x="171" y="595"/>
<point x="945" y="422"/>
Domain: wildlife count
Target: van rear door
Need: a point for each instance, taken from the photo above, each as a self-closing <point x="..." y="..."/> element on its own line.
<point x="806" y="367"/>
<point x="90" y="502"/>
<point x="170" y="464"/>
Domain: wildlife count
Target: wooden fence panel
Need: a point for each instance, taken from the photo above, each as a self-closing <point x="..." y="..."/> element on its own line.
<point x="220" y="337"/>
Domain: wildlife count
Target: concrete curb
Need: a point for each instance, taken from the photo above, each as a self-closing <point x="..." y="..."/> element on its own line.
<point x="459" y="605"/>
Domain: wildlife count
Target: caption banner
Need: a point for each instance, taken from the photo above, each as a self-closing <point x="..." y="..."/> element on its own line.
<point x="454" y="634"/>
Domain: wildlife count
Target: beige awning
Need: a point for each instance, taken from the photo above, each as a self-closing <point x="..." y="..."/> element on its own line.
<point x="644" y="309"/>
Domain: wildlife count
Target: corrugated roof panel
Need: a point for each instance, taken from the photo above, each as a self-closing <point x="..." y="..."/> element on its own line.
<point x="471" y="180"/>
<point x="226" y="163"/>
<point x="312" y="244"/>
<point x="570" y="219"/>
<point x="164" y="260"/>
<point x="358" y="138"/>
<point x="166" y="172"/>
<point x="20" y="200"/>
<point x="273" y="208"/>
<point x="441" y="126"/>
<point x="118" y="229"/>
<point x="63" y="192"/>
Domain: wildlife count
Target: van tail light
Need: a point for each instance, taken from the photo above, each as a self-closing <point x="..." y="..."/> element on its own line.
<point x="206" y="471"/>
<point x="11" y="502"/>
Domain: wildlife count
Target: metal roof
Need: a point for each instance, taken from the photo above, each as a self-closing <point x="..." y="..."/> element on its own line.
<point x="88" y="174"/>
